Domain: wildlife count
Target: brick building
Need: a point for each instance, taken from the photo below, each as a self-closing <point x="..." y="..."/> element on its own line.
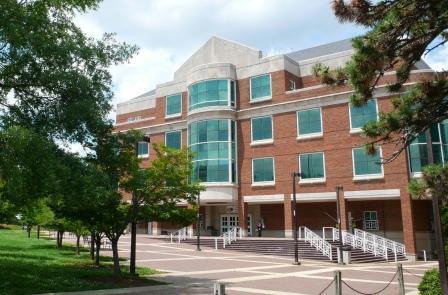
<point x="252" y="120"/>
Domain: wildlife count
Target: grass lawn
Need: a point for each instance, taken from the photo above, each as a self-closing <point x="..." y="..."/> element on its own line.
<point x="30" y="266"/>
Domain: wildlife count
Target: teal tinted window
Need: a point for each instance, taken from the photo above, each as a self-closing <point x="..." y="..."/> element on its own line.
<point x="173" y="104"/>
<point x="418" y="150"/>
<point x="263" y="169"/>
<point x="173" y="139"/>
<point x="312" y="166"/>
<point x="309" y="121"/>
<point x="260" y="87"/>
<point x="262" y="128"/>
<point x="212" y="145"/>
<point x="142" y="149"/>
<point x="366" y="164"/>
<point x="208" y="93"/>
<point x="359" y="116"/>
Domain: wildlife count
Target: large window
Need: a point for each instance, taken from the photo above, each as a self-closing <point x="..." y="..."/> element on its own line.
<point x="173" y="105"/>
<point x="263" y="171"/>
<point x="366" y="165"/>
<point x="211" y="93"/>
<point x="309" y="123"/>
<point x="260" y="87"/>
<point x="262" y="129"/>
<point x="214" y="146"/>
<point x="418" y="149"/>
<point x="173" y="139"/>
<point x="359" y="116"/>
<point x="312" y="167"/>
<point x="142" y="149"/>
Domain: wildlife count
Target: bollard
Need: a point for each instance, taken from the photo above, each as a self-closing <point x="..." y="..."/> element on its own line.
<point x="401" y="279"/>
<point x="219" y="289"/>
<point x="424" y="255"/>
<point x="216" y="243"/>
<point x="338" y="282"/>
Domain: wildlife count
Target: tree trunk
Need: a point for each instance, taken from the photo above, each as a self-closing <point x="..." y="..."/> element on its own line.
<point x="115" y="257"/>
<point x="60" y="237"/>
<point x="78" y="237"/>
<point x="28" y="230"/>
<point x="92" y="246"/>
<point x="38" y="231"/>
<point x="98" y="246"/>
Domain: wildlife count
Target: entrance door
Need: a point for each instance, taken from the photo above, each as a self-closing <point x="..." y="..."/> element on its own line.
<point x="229" y="221"/>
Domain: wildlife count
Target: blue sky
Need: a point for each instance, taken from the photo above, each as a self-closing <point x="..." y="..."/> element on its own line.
<point x="169" y="31"/>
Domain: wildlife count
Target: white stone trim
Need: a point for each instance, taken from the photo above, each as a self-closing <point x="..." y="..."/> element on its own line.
<point x="387" y="194"/>
<point x="258" y="199"/>
<point x="315" y="197"/>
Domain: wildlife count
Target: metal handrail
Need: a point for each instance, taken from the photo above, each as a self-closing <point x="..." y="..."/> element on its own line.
<point x="395" y="247"/>
<point x="229" y="236"/>
<point x="180" y="234"/>
<point x="316" y="241"/>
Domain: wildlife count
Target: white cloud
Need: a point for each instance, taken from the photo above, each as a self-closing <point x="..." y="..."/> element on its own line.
<point x="438" y="59"/>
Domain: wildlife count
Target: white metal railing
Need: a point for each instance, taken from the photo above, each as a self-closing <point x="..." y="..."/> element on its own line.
<point x="395" y="247"/>
<point x="229" y="236"/>
<point x="180" y="234"/>
<point x="316" y="241"/>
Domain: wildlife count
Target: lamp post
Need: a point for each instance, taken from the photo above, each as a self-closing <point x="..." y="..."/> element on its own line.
<point x="198" y="225"/>
<point x="437" y="223"/>
<point x="338" y="211"/>
<point x="134" y="205"/>
<point x="294" y="210"/>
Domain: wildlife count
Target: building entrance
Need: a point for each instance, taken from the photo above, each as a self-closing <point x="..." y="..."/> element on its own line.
<point x="231" y="220"/>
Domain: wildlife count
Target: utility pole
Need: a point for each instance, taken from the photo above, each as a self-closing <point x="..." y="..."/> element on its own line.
<point x="296" y="224"/>
<point x="198" y="225"/>
<point x="338" y="211"/>
<point x="134" y="205"/>
<point x="437" y="223"/>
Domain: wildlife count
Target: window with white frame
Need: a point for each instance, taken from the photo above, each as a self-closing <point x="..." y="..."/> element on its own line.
<point x="173" y="139"/>
<point x="366" y="165"/>
<point x="142" y="149"/>
<point x="173" y="105"/>
<point x="359" y="116"/>
<point x="263" y="171"/>
<point x="312" y="167"/>
<point x="370" y="220"/>
<point x="260" y="87"/>
<point x="309" y="123"/>
<point x="262" y="130"/>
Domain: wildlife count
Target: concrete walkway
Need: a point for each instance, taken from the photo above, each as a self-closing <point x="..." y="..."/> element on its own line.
<point x="194" y="272"/>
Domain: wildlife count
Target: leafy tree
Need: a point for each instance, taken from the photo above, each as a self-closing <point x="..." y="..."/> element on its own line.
<point x="400" y="32"/>
<point x="58" y="78"/>
<point x="78" y="228"/>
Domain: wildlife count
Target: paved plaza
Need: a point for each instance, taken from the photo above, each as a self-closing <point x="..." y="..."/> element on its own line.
<point x="191" y="272"/>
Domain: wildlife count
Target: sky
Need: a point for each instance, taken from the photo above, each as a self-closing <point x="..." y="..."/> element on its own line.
<point x="169" y="31"/>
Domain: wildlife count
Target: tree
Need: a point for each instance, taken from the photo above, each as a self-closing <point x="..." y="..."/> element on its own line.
<point x="400" y="32"/>
<point x="58" y="78"/>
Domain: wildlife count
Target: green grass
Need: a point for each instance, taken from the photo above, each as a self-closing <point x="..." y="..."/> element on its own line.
<point x="30" y="266"/>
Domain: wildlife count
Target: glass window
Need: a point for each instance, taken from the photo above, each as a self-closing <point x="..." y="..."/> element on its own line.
<point x="142" y="149"/>
<point x="211" y="144"/>
<point x="365" y="164"/>
<point x="359" y="116"/>
<point x="209" y="93"/>
<point x="312" y="166"/>
<point x="370" y="220"/>
<point x="173" y="105"/>
<point x="260" y="87"/>
<point x="309" y="122"/>
<point x="263" y="170"/>
<point x="173" y="139"/>
<point x="261" y="128"/>
<point x="418" y="149"/>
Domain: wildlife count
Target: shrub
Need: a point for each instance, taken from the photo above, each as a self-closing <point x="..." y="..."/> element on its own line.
<point x="430" y="284"/>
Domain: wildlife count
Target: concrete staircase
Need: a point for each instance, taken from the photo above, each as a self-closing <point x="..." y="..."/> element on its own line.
<point x="285" y="247"/>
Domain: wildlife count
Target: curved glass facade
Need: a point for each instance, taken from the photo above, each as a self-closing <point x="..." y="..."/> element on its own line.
<point x="213" y="143"/>
<point x="211" y="93"/>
